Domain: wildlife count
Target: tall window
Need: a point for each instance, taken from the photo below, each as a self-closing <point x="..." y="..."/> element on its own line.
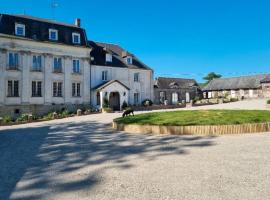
<point x="104" y="75"/>
<point x="57" y="65"/>
<point x="136" y="77"/>
<point x="13" y="88"/>
<point x="57" y="89"/>
<point x="53" y="34"/>
<point x="20" y="29"/>
<point x="76" y="66"/>
<point x="136" y="98"/>
<point x="36" y="63"/>
<point x="76" y="89"/>
<point x="36" y="89"/>
<point x="76" y="38"/>
<point x="13" y="61"/>
<point x="162" y="97"/>
<point x="174" y="98"/>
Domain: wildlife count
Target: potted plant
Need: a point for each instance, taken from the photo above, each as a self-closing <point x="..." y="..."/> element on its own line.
<point x="105" y="106"/>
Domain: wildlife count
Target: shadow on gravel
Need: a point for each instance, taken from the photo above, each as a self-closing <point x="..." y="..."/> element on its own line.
<point x="34" y="161"/>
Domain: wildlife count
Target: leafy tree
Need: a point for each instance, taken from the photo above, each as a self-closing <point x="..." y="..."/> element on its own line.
<point x="211" y="76"/>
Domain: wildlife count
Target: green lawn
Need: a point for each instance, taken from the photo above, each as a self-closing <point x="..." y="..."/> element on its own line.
<point x="198" y="117"/>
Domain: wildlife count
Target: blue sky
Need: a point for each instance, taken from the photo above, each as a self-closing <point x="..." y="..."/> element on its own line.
<point x="181" y="38"/>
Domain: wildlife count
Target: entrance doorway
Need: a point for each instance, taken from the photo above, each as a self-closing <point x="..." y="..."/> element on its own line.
<point x="114" y="101"/>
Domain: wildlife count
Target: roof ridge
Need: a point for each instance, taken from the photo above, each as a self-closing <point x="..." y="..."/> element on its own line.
<point x="106" y="43"/>
<point x="243" y="76"/>
<point x="175" y="78"/>
<point x="43" y="20"/>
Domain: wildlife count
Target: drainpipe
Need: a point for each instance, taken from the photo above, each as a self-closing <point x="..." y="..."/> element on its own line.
<point x="90" y="64"/>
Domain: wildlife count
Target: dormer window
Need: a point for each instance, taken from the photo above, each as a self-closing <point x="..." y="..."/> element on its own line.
<point x="20" y="29"/>
<point x="76" y="38"/>
<point x="129" y="60"/>
<point x="53" y="34"/>
<point x="108" y="57"/>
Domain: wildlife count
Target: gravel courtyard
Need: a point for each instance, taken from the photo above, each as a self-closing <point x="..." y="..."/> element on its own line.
<point x="83" y="158"/>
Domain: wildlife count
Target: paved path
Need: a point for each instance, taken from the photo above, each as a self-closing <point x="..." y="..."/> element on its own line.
<point x="82" y="158"/>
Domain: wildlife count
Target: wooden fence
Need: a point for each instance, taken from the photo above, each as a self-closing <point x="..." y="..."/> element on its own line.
<point x="194" y="130"/>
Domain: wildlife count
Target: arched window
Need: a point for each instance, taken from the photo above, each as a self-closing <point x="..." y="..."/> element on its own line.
<point x="174" y="98"/>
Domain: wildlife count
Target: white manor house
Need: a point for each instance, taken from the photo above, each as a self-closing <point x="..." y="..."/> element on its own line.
<point x="46" y="65"/>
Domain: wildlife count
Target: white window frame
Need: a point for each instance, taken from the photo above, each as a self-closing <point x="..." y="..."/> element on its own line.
<point x="19" y="25"/>
<point x="162" y="96"/>
<point x="56" y="34"/>
<point x="174" y="98"/>
<point x="129" y="60"/>
<point x="37" y="68"/>
<point x="76" y="92"/>
<point x="73" y="38"/>
<point x="13" y="88"/>
<point x="57" y="94"/>
<point x="136" y="77"/>
<point x="104" y="75"/>
<point x="77" y="68"/>
<point x="35" y="92"/>
<point x="58" y="68"/>
<point x="136" y="101"/>
<point x="16" y="63"/>
<point x="108" y="57"/>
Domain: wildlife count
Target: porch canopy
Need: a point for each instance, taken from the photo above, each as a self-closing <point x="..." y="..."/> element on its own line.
<point x="115" y="91"/>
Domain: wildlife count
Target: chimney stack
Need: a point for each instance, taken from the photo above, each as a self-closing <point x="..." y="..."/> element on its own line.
<point x="78" y="22"/>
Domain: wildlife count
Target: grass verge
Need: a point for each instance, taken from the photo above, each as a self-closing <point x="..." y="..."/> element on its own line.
<point x="198" y="117"/>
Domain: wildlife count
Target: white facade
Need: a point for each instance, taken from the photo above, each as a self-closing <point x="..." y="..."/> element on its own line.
<point x="26" y="49"/>
<point x="143" y="87"/>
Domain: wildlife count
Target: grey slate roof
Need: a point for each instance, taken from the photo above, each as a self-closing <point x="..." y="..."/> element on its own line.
<point x="244" y="82"/>
<point x="106" y="83"/>
<point x="171" y="83"/>
<point x="99" y="50"/>
<point x="266" y="80"/>
<point x="38" y="29"/>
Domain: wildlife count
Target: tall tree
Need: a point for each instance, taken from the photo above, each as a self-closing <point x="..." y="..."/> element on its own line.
<point x="211" y="76"/>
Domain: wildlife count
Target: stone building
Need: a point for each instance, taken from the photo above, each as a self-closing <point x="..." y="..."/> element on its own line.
<point x="47" y="65"/>
<point x="257" y="86"/>
<point x="175" y="90"/>
<point x="43" y="65"/>
<point x="118" y="76"/>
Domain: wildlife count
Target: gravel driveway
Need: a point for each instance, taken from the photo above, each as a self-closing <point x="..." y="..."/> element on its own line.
<point x="83" y="158"/>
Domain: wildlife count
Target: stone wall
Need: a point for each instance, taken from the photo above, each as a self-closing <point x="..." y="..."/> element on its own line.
<point x="38" y="110"/>
<point x="168" y="93"/>
<point x="246" y="93"/>
<point x="266" y="89"/>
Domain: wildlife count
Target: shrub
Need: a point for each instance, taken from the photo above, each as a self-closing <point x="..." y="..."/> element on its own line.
<point x="233" y="99"/>
<point x="124" y="105"/>
<point x="48" y="116"/>
<point x="23" y="118"/>
<point x="147" y="102"/>
<point x="64" y="114"/>
<point x="268" y="101"/>
<point x="107" y="110"/>
<point x="196" y="99"/>
<point x="7" y="119"/>
<point x="105" y="102"/>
